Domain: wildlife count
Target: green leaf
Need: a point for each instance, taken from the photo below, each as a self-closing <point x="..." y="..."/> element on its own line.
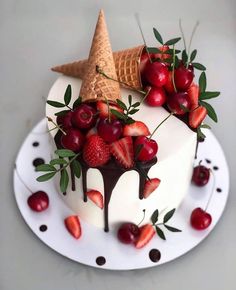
<point x="62" y="113"/>
<point x="58" y="161"/>
<point x="184" y="56"/>
<point x="133" y="111"/>
<point x="171" y="51"/>
<point x="200" y="135"/>
<point x="121" y="104"/>
<point x="130" y="99"/>
<point x="45" y="167"/>
<point x="168" y="215"/>
<point x="202" y="82"/>
<point x="129" y="121"/>
<point x="77" y="102"/>
<point x="64" y="153"/>
<point x="205" y="126"/>
<point x="119" y="115"/>
<point x="198" y="66"/>
<point x="171" y="229"/>
<point x="153" y="50"/>
<point x="46" y="177"/>
<point x="185" y="109"/>
<point x="158" y="36"/>
<point x="55" y="104"/>
<point x="210" y="111"/>
<point x="67" y="95"/>
<point x="154" y="217"/>
<point x="64" y="180"/>
<point x="76" y="168"/>
<point x="193" y="55"/>
<point x="176" y="61"/>
<point x="160" y="233"/>
<point x="135" y="105"/>
<point x="173" y="41"/>
<point x="208" y="95"/>
<point x="169" y="60"/>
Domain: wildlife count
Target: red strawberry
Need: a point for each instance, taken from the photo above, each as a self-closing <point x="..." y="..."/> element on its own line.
<point x="91" y="132"/>
<point x="96" y="197"/>
<point x="103" y="109"/>
<point x="150" y="186"/>
<point x="193" y="93"/>
<point x="169" y="87"/>
<point x="137" y="128"/>
<point x="123" y="151"/>
<point x="96" y="151"/>
<point x="72" y="224"/>
<point x="197" y="116"/>
<point x="146" y="234"/>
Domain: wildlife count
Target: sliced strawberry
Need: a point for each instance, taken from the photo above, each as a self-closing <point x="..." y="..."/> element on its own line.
<point x="150" y="186"/>
<point x="137" y="128"/>
<point x="72" y="224"/>
<point x="146" y="234"/>
<point x="103" y="109"/>
<point x="193" y="93"/>
<point x="91" y="132"/>
<point x="123" y="151"/>
<point x="96" y="197"/>
<point x="197" y="116"/>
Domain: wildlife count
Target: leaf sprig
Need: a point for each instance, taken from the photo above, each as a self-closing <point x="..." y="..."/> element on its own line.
<point x="167" y="217"/>
<point x="66" y="158"/>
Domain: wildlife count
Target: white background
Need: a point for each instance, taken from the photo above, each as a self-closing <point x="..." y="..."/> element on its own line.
<point x="35" y="35"/>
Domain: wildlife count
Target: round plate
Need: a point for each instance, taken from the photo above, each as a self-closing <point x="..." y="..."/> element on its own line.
<point x="97" y="248"/>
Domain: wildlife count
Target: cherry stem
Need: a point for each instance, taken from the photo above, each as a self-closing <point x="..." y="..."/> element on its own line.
<point x="182" y="33"/>
<point x="190" y="42"/>
<point x="55" y="124"/>
<point x="69" y="107"/>
<point x="144" y="210"/>
<point x="101" y="72"/>
<point x="147" y="92"/>
<point x="160" y="125"/>
<point x="68" y="163"/>
<point x="108" y="108"/>
<point x="141" y="31"/>
<point x="212" y="191"/>
<point x="173" y="71"/>
<point x="18" y="175"/>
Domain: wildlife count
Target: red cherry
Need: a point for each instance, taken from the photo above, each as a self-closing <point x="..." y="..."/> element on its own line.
<point x="128" y="233"/>
<point x="110" y="131"/>
<point x="148" y="150"/>
<point x="156" y="73"/>
<point x="183" y="78"/>
<point x="38" y="201"/>
<point x="200" y="219"/>
<point x="169" y="87"/>
<point x="84" y="117"/>
<point x="65" y="121"/>
<point x="201" y="175"/>
<point x="156" y="97"/>
<point x="73" y="140"/>
<point x="176" y="100"/>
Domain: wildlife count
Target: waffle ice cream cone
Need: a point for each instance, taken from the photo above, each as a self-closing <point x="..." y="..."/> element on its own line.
<point x="127" y="63"/>
<point x="95" y="86"/>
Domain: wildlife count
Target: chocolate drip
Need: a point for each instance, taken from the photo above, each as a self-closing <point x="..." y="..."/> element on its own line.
<point x="84" y="181"/>
<point x="72" y="175"/>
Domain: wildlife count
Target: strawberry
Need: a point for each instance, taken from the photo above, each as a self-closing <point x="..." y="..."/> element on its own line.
<point x="193" y="93"/>
<point x="123" y="151"/>
<point x="169" y="87"/>
<point x="96" y="197"/>
<point x="137" y="128"/>
<point x="150" y="186"/>
<point x="103" y="109"/>
<point x="197" y="116"/>
<point x="72" y="224"/>
<point x="96" y="151"/>
<point x="91" y="132"/>
<point x="146" y="234"/>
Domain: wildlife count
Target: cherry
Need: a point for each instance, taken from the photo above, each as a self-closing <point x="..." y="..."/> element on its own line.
<point x="84" y="117"/>
<point x="156" y="96"/>
<point x="38" y="201"/>
<point x="176" y="100"/>
<point x="128" y="233"/>
<point x="110" y="131"/>
<point x="156" y="73"/>
<point x="73" y="140"/>
<point x="183" y="77"/>
<point x="201" y="175"/>
<point x="148" y="150"/>
<point x="169" y="87"/>
<point x="200" y="219"/>
<point x="65" y="121"/>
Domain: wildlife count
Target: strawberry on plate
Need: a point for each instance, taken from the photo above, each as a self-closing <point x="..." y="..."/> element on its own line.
<point x="146" y="234"/>
<point x="96" y="197"/>
<point x="197" y="116"/>
<point x="103" y="109"/>
<point x="137" y="128"/>
<point x="123" y="151"/>
<point x="96" y="152"/>
<point x="150" y="186"/>
<point x="73" y="226"/>
<point x="193" y="94"/>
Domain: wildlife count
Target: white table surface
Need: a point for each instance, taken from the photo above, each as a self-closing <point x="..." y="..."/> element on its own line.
<point x="35" y="35"/>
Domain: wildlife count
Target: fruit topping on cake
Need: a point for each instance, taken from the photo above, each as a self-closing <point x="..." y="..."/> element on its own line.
<point x="73" y="226"/>
<point x="96" y="197"/>
<point x="150" y="186"/>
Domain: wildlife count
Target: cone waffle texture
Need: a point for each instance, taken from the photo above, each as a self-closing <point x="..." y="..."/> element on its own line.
<point x="95" y="86"/>
<point x="126" y="62"/>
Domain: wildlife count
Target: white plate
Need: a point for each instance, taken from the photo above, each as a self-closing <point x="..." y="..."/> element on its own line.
<point x="96" y="243"/>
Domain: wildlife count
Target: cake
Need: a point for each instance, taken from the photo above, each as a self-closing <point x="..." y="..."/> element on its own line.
<point x="129" y="150"/>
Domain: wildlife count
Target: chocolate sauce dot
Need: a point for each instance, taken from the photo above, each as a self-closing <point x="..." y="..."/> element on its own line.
<point x="100" y="261"/>
<point x="155" y="255"/>
<point x="43" y="228"/>
<point x="35" y="144"/>
<point x="215" y="167"/>
<point x="64" y="193"/>
<point x="38" y="161"/>
<point x="208" y="161"/>
<point x="219" y="189"/>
